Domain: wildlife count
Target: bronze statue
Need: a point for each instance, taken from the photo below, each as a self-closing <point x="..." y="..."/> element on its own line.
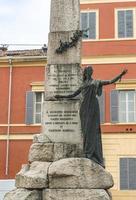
<point x="90" y="114"/>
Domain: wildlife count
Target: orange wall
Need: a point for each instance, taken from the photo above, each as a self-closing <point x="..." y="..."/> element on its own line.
<point x="22" y="77"/>
<point x="4" y="79"/>
<point x="18" y="156"/>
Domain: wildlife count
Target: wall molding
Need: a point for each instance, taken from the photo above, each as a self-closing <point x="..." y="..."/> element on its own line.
<point x="126" y="84"/>
<point x="104" y="1"/>
<point x="126" y="59"/>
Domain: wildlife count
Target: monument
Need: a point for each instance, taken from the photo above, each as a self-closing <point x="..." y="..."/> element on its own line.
<point x="56" y="167"/>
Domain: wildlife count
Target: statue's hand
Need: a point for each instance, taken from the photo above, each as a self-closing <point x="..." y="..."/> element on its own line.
<point x="124" y="72"/>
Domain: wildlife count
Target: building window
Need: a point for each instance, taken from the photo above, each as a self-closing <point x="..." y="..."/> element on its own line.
<point x="89" y="20"/>
<point x="125" y="23"/>
<point x="127" y="173"/>
<point x="38" y="104"/>
<point x="127" y="106"/>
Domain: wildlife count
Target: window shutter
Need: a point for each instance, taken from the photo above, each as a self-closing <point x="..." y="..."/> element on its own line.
<point x="132" y="173"/>
<point x="129" y="23"/>
<point x="29" y="107"/>
<point x="121" y="24"/>
<point x="124" y="172"/>
<point x="102" y="107"/>
<point x="84" y="22"/>
<point x="114" y="106"/>
<point x="92" y="25"/>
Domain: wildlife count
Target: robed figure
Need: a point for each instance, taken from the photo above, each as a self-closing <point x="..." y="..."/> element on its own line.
<point x="90" y="113"/>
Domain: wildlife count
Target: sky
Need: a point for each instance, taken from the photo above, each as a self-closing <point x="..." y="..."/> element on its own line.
<point x="24" y="22"/>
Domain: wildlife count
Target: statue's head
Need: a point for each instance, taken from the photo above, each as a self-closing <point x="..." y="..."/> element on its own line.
<point x="88" y="71"/>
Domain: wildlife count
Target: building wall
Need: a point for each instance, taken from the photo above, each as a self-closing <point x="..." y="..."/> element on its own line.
<point x="109" y="55"/>
<point x="116" y="146"/>
<point x="16" y="138"/>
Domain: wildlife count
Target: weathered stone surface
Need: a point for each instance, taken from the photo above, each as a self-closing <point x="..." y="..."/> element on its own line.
<point x="62" y="79"/>
<point x="33" y="176"/>
<point x="75" y="194"/>
<point x="49" y="152"/>
<point x="78" y="173"/>
<point x="41" y="138"/>
<point x="65" y="15"/>
<point x="71" y="56"/>
<point x="41" y="152"/>
<point x="23" y="194"/>
<point x="61" y="122"/>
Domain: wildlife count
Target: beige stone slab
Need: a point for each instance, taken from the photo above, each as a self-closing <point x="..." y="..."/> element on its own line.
<point x="61" y="121"/>
<point x="75" y="194"/>
<point x="23" y="194"/>
<point x="62" y="79"/>
<point x="65" y="15"/>
<point x="49" y="152"/>
<point x="78" y="173"/>
<point x="33" y="176"/>
<point x="71" y="56"/>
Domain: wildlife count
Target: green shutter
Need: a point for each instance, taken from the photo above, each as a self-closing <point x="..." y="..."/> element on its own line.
<point x="124" y="173"/>
<point x="92" y="25"/>
<point x="114" y="106"/>
<point x="29" y="107"/>
<point x="121" y="24"/>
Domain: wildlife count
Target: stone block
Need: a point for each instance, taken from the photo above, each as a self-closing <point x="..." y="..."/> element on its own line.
<point x="65" y="15"/>
<point x="49" y="152"/>
<point x="23" y="194"/>
<point x="75" y="194"/>
<point x="61" y="121"/>
<point x="33" y="176"/>
<point x="62" y="79"/>
<point x="41" y="138"/>
<point x="78" y="173"/>
<point x="71" y="56"/>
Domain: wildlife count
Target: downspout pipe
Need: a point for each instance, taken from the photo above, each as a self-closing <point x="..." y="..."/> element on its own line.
<point x="9" y="116"/>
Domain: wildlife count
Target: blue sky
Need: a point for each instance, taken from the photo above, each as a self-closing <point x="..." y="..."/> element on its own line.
<point x="24" y="21"/>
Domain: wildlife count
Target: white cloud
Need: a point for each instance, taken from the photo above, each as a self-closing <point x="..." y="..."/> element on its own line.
<point x="25" y="22"/>
<point x="5" y="10"/>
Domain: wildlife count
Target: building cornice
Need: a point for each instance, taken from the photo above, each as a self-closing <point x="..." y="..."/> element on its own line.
<point x="113" y="59"/>
<point x="104" y="1"/>
<point x="23" y="61"/>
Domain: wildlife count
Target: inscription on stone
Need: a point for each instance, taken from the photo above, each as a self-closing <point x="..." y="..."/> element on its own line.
<point x="61" y="120"/>
<point x="62" y="79"/>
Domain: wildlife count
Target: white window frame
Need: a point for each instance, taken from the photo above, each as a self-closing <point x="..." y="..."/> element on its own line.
<point x="127" y="120"/>
<point x="97" y="23"/>
<point x="116" y="23"/>
<point x="119" y="171"/>
<point x="35" y="103"/>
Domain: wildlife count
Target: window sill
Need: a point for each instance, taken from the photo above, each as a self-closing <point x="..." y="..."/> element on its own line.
<point x="108" y="39"/>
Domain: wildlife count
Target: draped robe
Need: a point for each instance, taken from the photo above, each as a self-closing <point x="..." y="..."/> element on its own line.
<point x="90" y="121"/>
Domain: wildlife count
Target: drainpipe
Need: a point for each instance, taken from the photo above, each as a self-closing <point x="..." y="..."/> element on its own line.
<point x="9" y="116"/>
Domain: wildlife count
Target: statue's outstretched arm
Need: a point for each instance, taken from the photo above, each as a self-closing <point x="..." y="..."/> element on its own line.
<point x="70" y="95"/>
<point x="107" y="82"/>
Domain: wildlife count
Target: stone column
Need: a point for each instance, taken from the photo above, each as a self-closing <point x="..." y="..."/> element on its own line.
<point x="61" y="122"/>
